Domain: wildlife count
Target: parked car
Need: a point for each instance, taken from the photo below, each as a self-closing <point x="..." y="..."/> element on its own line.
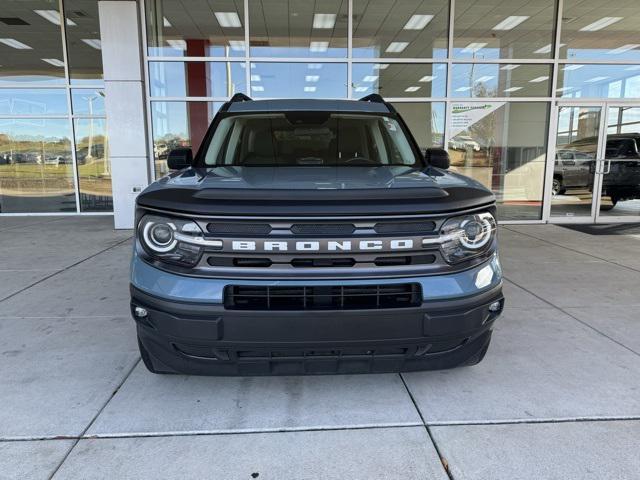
<point x="573" y="169"/>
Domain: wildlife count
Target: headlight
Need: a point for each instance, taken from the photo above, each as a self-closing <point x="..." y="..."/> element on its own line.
<point x="467" y="236"/>
<point x="173" y="240"/>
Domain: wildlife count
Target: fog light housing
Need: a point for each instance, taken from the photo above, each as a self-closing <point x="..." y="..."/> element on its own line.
<point x="140" y="312"/>
<point x="495" y="306"/>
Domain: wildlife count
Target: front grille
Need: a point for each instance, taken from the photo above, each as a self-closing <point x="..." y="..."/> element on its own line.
<point x="351" y="297"/>
<point x="228" y="228"/>
<point x="404" y="228"/>
<point x="327" y="229"/>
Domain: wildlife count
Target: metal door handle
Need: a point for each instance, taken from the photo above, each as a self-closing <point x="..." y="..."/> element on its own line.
<point x="608" y="168"/>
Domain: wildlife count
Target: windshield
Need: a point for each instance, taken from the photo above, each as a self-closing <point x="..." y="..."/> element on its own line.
<point x="309" y="139"/>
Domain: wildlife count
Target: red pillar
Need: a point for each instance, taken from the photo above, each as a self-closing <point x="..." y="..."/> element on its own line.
<point x="197" y="86"/>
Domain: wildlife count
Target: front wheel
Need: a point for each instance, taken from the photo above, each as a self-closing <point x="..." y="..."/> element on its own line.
<point x="557" y="188"/>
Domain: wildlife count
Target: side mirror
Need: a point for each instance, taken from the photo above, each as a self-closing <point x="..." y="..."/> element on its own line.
<point x="179" y="158"/>
<point x="437" y="157"/>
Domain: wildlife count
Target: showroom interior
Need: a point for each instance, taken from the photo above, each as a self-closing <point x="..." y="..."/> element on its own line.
<point x="539" y="100"/>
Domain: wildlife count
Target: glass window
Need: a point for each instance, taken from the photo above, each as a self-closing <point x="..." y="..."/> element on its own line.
<point x="94" y="167"/>
<point x="399" y="80"/>
<point x="299" y="80"/>
<point x="408" y="29"/>
<point x="20" y="101"/>
<point x="36" y="171"/>
<point x="178" y="124"/>
<point x="503" y="146"/>
<point x="31" y="43"/>
<point x="196" y="28"/>
<point x="500" y="80"/>
<point x="595" y="30"/>
<point x="85" y="101"/>
<point x="298" y="28"/>
<point x="425" y="121"/>
<point x="504" y="29"/>
<point x="83" y="42"/>
<point x="196" y="79"/>
<point x="599" y="81"/>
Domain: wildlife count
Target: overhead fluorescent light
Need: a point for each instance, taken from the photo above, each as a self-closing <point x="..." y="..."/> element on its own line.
<point x="311" y="78"/>
<point x="314" y="66"/>
<point x="255" y="78"/>
<point x="463" y="89"/>
<point x="509" y="67"/>
<point x="93" y="43"/>
<point x="318" y="47"/>
<point x="397" y="47"/>
<point x="485" y="78"/>
<point x="604" y="22"/>
<point x="324" y="20"/>
<point x="310" y="89"/>
<point x="511" y="22"/>
<point x="545" y="49"/>
<point x="595" y="79"/>
<point x="564" y="89"/>
<point x="361" y="89"/>
<point x="417" y="22"/>
<point x="13" y="43"/>
<point x="166" y="22"/>
<point x="539" y="79"/>
<point x="236" y="45"/>
<point x="381" y="66"/>
<point x="228" y="19"/>
<point x="574" y="66"/>
<point x="53" y="16"/>
<point x="370" y="78"/>
<point x="512" y="89"/>
<point x="257" y="88"/>
<point x="177" y="44"/>
<point x="427" y="78"/>
<point x="623" y="49"/>
<point x="53" y="61"/>
<point x="473" y="47"/>
<point x="412" y="89"/>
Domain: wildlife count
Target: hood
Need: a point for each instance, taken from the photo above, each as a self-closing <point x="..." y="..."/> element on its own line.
<point x="310" y="191"/>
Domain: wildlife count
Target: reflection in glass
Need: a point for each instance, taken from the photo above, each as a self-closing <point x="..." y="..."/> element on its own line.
<point x="36" y="171"/>
<point x="504" y="29"/>
<point x="399" y="80"/>
<point x="503" y="146"/>
<point x="298" y="80"/>
<point x="574" y="167"/>
<point x="20" y="101"/>
<point x="410" y="29"/>
<point x="83" y="42"/>
<point x="178" y="124"/>
<point x="425" y="120"/>
<point x="298" y="29"/>
<point x="596" y="30"/>
<point x="598" y="81"/>
<point x="197" y="29"/>
<point x="196" y="79"/>
<point x="86" y="101"/>
<point x="621" y="180"/>
<point x="500" y="80"/>
<point x="94" y="167"/>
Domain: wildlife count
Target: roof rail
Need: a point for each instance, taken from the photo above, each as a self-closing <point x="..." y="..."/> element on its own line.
<point x="374" y="97"/>
<point x="240" y="97"/>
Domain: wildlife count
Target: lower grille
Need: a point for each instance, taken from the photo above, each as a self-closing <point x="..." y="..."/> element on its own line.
<point x="357" y="297"/>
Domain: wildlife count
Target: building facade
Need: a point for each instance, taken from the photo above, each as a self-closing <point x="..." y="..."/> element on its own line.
<point x="537" y="99"/>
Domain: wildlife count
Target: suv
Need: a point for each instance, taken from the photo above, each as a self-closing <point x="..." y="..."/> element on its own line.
<point x="313" y="236"/>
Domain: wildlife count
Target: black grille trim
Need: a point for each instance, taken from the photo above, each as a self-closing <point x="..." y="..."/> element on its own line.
<point x="326" y="230"/>
<point x="404" y="227"/>
<point x="228" y="228"/>
<point x="346" y="297"/>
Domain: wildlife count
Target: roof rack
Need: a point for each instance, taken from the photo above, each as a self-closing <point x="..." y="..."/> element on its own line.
<point x="240" y="97"/>
<point x="374" y="97"/>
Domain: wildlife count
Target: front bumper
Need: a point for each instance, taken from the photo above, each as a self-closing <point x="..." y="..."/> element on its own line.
<point x="188" y="330"/>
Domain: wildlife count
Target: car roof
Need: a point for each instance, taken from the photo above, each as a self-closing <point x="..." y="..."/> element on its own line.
<point x="296" y="105"/>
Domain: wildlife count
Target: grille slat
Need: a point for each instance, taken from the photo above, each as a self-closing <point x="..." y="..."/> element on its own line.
<point x="374" y="297"/>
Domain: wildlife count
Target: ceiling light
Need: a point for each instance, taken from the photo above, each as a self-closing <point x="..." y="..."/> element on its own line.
<point x="539" y="79"/>
<point x="370" y="78"/>
<point x="318" y="47"/>
<point x="166" y="22"/>
<point x="509" y="67"/>
<point x="547" y="48"/>
<point x="228" y="19"/>
<point x="314" y="66"/>
<point x="177" y="44"/>
<point x="623" y="49"/>
<point x="600" y="24"/>
<point x="564" y="89"/>
<point x="361" y="89"/>
<point x="311" y="78"/>
<point x="463" y="89"/>
<point x="13" y="43"/>
<point x="257" y="88"/>
<point x="474" y="47"/>
<point x="572" y="67"/>
<point x="236" y="45"/>
<point x="595" y="79"/>
<point x="511" y="22"/>
<point x="397" y="47"/>
<point x="255" y="78"/>
<point x="512" y="89"/>
<point x="324" y="20"/>
<point x="427" y="78"/>
<point x="53" y="61"/>
<point x="309" y="89"/>
<point x="381" y="66"/>
<point x="417" y="22"/>
<point x="93" y="42"/>
<point x="53" y="16"/>
<point x="486" y="78"/>
<point x="412" y="89"/>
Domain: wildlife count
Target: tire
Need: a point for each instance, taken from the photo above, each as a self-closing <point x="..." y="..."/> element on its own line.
<point x="148" y="361"/>
<point x="607" y="207"/>
<point x="556" y="186"/>
<point x="479" y="355"/>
